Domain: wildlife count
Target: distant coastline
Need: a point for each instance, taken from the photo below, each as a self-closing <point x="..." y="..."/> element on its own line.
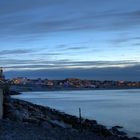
<point x="24" y="88"/>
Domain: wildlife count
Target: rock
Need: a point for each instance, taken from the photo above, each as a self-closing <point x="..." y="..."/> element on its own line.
<point x="101" y="130"/>
<point x="32" y="120"/>
<point x="46" y="125"/>
<point x="15" y="115"/>
<point x="60" y="124"/>
<point x="11" y="92"/>
<point x="92" y="121"/>
<point x="25" y="114"/>
<point x="115" y="131"/>
<point x="134" y="138"/>
<point x="118" y="127"/>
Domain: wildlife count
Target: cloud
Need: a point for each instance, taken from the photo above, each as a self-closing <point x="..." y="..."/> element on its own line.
<point x="63" y="64"/>
<point x="51" y="54"/>
<point x="73" y="47"/>
<point x="124" y="39"/>
<point x="8" y="7"/>
<point x="126" y="73"/>
<point x="28" y="17"/>
<point x="16" y="51"/>
<point x="136" y="44"/>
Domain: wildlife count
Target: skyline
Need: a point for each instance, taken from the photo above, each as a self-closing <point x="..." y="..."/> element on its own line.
<point x="93" y="39"/>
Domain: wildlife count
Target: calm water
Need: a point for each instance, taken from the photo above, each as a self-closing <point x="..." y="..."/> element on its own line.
<point x="109" y="107"/>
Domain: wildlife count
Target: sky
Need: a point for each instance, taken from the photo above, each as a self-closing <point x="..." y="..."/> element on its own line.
<point x="56" y="39"/>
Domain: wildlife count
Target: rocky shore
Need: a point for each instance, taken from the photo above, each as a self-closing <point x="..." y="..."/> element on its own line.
<point x="27" y="121"/>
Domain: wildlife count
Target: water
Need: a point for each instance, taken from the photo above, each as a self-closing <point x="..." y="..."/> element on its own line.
<point x="108" y="107"/>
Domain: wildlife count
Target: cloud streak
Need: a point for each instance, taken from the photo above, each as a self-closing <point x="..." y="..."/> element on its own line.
<point x="65" y="64"/>
<point x="126" y="73"/>
<point x="16" y="52"/>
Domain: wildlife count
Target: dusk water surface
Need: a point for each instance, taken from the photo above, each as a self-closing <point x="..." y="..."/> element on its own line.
<point x="108" y="107"/>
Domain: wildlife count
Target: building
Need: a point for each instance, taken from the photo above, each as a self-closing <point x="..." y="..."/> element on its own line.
<point x="2" y="77"/>
<point x="20" y="81"/>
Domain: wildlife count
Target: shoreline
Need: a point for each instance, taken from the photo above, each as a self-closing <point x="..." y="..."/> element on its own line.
<point x="117" y="127"/>
<point x="43" y="89"/>
<point x="25" y="112"/>
<point x="116" y="130"/>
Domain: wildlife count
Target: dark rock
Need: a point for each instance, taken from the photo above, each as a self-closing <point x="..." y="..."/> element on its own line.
<point x="32" y="120"/>
<point x="115" y="131"/>
<point x="118" y="127"/>
<point x="15" y="115"/>
<point x="134" y="138"/>
<point x="46" y="125"/>
<point x="60" y="124"/>
<point x="11" y="92"/>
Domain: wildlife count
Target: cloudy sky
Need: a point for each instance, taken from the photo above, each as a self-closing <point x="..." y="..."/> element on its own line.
<point x="92" y="39"/>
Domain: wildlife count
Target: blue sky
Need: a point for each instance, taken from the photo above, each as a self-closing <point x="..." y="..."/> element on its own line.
<point x="93" y="39"/>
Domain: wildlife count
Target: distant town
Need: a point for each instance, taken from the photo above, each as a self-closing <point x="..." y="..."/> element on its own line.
<point x="26" y="84"/>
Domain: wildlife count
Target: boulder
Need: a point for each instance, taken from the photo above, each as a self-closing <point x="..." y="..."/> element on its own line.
<point x="15" y="115"/>
<point x="115" y="131"/>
